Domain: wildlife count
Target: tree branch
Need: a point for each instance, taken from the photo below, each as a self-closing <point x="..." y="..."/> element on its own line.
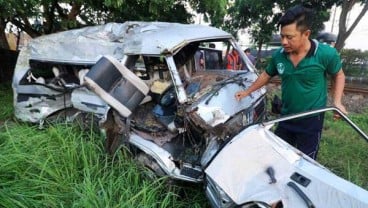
<point x="26" y="28"/>
<point x="60" y="10"/>
<point x="344" y="33"/>
<point x="357" y="20"/>
<point x="75" y="11"/>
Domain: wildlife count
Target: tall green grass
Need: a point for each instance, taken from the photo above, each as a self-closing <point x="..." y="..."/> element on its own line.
<point x="61" y="166"/>
<point x="344" y="151"/>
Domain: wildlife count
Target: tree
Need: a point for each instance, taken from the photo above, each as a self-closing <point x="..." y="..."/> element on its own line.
<point x="344" y="32"/>
<point x="59" y="15"/>
<point x="260" y="17"/>
<point x="257" y="16"/>
<point x="214" y="10"/>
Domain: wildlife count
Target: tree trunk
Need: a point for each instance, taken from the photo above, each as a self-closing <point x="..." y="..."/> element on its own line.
<point x="27" y="28"/>
<point x="344" y="33"/>
<point x="74" y="12"/>
<point x="3" y="40"/>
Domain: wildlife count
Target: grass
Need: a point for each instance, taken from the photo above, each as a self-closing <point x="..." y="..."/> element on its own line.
<point x="344" y="151"/>
<point x="61" y="166"/>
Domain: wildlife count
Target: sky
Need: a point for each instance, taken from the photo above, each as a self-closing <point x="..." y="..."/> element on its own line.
<point x="359" y="37"/>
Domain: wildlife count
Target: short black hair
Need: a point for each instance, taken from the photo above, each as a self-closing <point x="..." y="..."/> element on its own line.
<point x="212" y="45"/>
<point x="302" y="16"/>
<point x="247" y="50"/>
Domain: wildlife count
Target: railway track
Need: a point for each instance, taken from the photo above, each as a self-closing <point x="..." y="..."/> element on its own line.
<point x="349" y="88"/>
<point x="355" y="89"/>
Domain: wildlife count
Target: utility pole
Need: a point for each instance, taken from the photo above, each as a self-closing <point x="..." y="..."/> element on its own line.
<point x="333" y="19"/>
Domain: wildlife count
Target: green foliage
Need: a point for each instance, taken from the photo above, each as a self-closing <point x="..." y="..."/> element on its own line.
<point x="321" y="11"/>
<point x="61" y="166"/>
<point x="146" y="10"/>
<point x="254" y="15"/>
<point x="260" y="17"/>
<point x="355" y="62"/>
<point x="214" y="10"/>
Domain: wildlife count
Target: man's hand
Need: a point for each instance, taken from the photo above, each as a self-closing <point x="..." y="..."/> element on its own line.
<point x="260" y="82"/>
<point x="239" y="95"/>
<point x="338" y="91"/>
<point x="342" y="108"/>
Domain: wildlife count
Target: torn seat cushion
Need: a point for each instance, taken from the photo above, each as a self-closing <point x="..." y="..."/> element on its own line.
<point x="116" y="85"/>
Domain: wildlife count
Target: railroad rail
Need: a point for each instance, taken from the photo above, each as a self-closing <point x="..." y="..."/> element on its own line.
<point x="349" y="88"/>
<point x="355" y="89"/>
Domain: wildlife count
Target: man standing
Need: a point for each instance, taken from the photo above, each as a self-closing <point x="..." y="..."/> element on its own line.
<point x="233" y="60"/>
<point x="250" y="56"/>
<point x="303" y="65"/>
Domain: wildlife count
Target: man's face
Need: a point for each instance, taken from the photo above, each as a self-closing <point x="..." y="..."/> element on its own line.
<point x="293" y="39"/>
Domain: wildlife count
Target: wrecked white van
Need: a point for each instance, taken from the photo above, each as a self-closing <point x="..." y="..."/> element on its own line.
<point x="164" y="89"/>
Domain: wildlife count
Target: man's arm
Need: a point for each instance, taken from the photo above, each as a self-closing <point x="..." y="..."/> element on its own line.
<point x="262" y="80"/>
<point x="338" y="90"/>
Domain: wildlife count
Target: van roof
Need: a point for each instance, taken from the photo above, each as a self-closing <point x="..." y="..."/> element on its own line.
<point x="89" y="43"/>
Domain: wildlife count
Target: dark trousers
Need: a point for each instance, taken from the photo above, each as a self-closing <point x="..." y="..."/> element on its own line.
<point x="304" y="134"/>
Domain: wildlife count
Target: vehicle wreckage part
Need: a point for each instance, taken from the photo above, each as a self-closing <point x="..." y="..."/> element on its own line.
<point x="234" y="79"/>
<point x="166" y="115"/>
<point x="180" y="91"/>
<point x="150" y="163"/>
<point x="217" y="197"/>
<point x="162" y="157"/>
<point x="116" y="85"/>
<point x="246" y="180"/>
<point x="271" y="172"/>
<point x="357" y="129"/>
<point x="212" y="110"/>
<point x="86" y="100"/>
<point x="300" y="179"/>
<point x="301" y="194"/>
<point x="211" y="150"/>
<point x="34" y="107"/>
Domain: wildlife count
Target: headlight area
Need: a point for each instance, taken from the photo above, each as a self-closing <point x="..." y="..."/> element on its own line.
<point x="217" y="197"/>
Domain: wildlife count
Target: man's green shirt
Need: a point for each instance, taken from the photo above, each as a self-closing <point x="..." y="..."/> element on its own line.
<point x="304" y="87"/>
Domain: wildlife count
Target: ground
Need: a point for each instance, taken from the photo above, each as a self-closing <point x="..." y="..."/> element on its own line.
<point x="356" y="103"/>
